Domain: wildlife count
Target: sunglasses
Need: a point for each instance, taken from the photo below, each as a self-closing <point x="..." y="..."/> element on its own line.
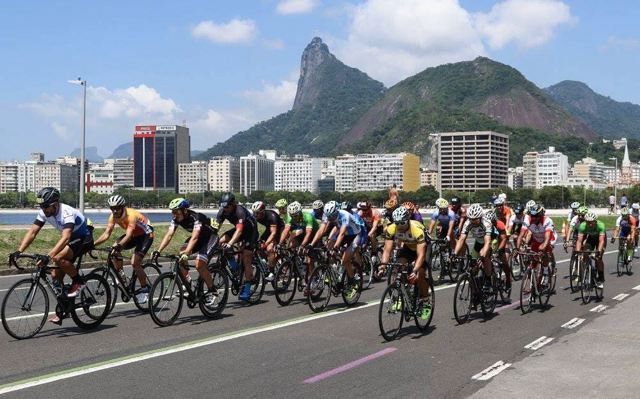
<point x="403" y="223"/>
<point x="115" y="208"/>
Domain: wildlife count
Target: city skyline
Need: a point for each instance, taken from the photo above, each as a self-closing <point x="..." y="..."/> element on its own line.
<point x="224" y="68"/>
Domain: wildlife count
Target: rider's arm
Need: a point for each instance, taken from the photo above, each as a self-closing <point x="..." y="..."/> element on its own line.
<point x="29" y="237"/>
<point x="128" y="235"/>
<point x="236" y="234"/>
<point x="319" y="233"/>
<point x="374" y="227"/>
<point x="307" y="236"/>
<point x="285" y="233"/>
<point x="579" y="242"/>
<point x="431" y="225"/>
<point x="65" y="237"/>
<point x="194" y="239"/>
<point x="341" y="234"/>
<point x="421" y="250"/>
<point x="167" y="237"/>
<point x="388" y="247"/>
<point x="272" y="236"/>
<point x="460" y="243"/>
<point x="105" y="235"/>
<point x="486" y="247"/>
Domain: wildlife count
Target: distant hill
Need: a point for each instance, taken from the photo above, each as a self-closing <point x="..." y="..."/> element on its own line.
<point x="606" y="116"/>
<point x="123" y="151"/>
<point x="90" y="153"/>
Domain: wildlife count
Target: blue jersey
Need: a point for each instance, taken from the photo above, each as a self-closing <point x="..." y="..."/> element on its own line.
<point x="66" y="217"/>
<point x="445" y="219"/>
<point x="355" y="224"/>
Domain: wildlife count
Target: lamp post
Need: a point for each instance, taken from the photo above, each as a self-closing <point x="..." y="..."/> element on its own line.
<point x="615" y="183"/>
<point x="82" y="83"/>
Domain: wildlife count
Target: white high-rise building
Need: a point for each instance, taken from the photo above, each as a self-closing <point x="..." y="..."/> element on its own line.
<point x="122" y="172"/>
<point x="99" y="178"/>
<point x="380" y="171"/>
<point x="192" y="177"/>
<point x="548" y="168"/>
<point x="8" y="177"/>
<point x="59" y="175"/>
<point x="298" y="173"/>
<point x="256" y="173"/>
<point x="27" y="176"/>
<point x="224" y="174"/>
<point x="345" y="173"/>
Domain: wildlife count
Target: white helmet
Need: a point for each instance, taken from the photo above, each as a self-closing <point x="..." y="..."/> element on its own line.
<point x="116" y="200"/>
<point x="529" y="204"/>
<point x="590" y="217"/>
<point x="575" y="205"/>
<point x="475" y="211"/>
<point x="258" y="206"/>
<point x="635" y="206"/>
<point x="294" y="208"/>
<point x="442" y="203"/>
<point x="498" y="201"/>
<point x="331" y="209"/>
<point x="400" y="214"/>
<point x="317" y="204"/>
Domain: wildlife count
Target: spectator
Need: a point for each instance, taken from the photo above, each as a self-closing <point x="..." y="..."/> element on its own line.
<point x="624" y="200"/>
<point x="393" y="193"/>
<point x="612" y="204"/>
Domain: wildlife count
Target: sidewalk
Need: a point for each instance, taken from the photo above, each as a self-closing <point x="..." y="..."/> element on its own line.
<point x="601" y="359"/>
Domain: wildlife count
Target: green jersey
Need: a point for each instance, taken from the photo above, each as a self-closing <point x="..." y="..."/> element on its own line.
<point x="597" y="229"/>
<point x="308" y="222"/>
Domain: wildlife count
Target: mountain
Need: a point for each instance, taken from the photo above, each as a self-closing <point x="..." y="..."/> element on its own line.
<point x="123" y="151"/>
<point x="329" y="100"/>
<point x="90" y="154"/>
<point x="195" y="153"/>
<point x="606" y="116"/>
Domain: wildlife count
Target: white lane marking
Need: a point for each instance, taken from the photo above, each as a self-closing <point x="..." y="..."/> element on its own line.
<point x="88" y="369"/>
<point x="599" y="308"/>
<point x="620" y="297"/>
<point x="573" y="323"/>
<point x="637" y="288"/>
<point x="538" y="343"/>
<point x="489" y="372"/>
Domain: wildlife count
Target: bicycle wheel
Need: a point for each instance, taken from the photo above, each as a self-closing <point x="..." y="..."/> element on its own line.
<point x="527" y="293"/>
<point x="152" y="271"/>
<point x="500" y="282"/>
<point x="352" y="289"/>
<point x="515" y="260"/>
<point x="598" y="291"/>
<point x="437" y="267"/>
<point x="574" y="273"/>
<point x="489" y="297"/>
<point x="423" y="323"/>
<point x="367" y="272"/>
<point x="621" y="260"/>
<point x="462" y="299"/>
<point x="257" y="283"/>
<point x="392" y="272"/>
<point x="165" y="299"/>
<point x="391" y="312"/>
<point x="586" y="285"/>
<point x="221" y="288"/>
<point x="91" y="305"/>
<point x="546" y="294"/>
<point x="320" y="282"/>
<point x="108" y="275"/>
<point x="285" y="281"/>
<point x="25" y="309"/>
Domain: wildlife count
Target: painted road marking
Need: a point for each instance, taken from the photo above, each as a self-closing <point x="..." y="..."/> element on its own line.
<point x="538" y="343"/>
<point x="637" y="288"/>
<point x="620" y="297"/>
<point x="573" y="323"/>
<point x="348" y="366"/>
<point x="599" y="308"/>
<point x="491" y="371"/>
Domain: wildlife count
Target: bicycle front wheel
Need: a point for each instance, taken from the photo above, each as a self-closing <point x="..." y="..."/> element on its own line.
<point x="462" y="299"/>
<point x="621" y="260"/>
<point x="352" y="289"/>
<point x="527" y="292"/>
<point x="367" y="272"/>
<point x="391" y="312"/>
<point x="515" y="261"/>
<point x="285" y="283"/>
<point x="257" y="284"/>
<point x="152" y="271"/>
<point x="92" y="303"/>
<point x="586" y="285"/>
<point x="320" y="282"/>
<point x="422" y="318"/>
<point x="25" y="309"/>
<point x="574" y="273"/>
<point x="437" y="268"/>
<point x="598" y="291"/>
<point x="107" y="274"/>
<point x="489" y="297"/>
<point x="165" y="299"/>
<point x="220" y="290"/>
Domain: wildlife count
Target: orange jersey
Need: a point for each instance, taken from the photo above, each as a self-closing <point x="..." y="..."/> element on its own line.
<point x="132" y="217"/>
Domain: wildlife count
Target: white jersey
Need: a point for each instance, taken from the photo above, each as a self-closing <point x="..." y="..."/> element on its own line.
<point x="570" y="216"/>
<point x="575" y="222"/>
<point x="66" y="217"/>
<point x="539" y="230"/>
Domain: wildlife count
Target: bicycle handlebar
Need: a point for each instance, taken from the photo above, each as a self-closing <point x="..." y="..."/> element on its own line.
<point x="37" y="257"/>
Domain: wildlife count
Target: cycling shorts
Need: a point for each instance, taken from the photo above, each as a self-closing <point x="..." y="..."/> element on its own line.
<point x="204" y="247"/>
<point x="591" y="243"/>
<point x="141" y="243"/>
<point x="248" y="238"/>
<point x="80" y="246"/>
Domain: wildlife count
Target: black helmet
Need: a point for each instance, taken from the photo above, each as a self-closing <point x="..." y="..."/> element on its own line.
<point x="226" y="199"/>
<point x="47" y="196"/>
<point x="519" y="209"/>
<point x="455" y="201"/>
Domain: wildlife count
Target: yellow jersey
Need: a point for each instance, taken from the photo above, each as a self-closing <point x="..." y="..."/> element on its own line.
<point x="413" y="236"/>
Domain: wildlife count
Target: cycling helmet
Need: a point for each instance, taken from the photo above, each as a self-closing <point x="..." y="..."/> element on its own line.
<point x="47" y="196"/>
<point x="258" y="206"/>
<point x="178" y="203"/>
<point x="530" y="203"/>
<point x="536" y="210"/>
<point x="498" y="201"/>
<point x="281" y="203"/>
<point x="590" y="217"/>
<point x="518" y="209"/>
<point x="582" y="210"/>
<point x="317" y="204"/>
<point x="442" y="203"/>
<point x="294" y="208"/>
<point x="491" y="216"/>
<point x="331" y="209"/>
<point x="116" y="200"/>
<point x="455" y="201"/>
<point x="227" y="199"/>
<point x="346" y="206"/>
<point x="624" y="211"/>
<point x="401" y="214"/>
<point x="475" y="211"/>
<point x="390" y="204"/>
<point x="364" y="205"/>
<point x="635" y="206"/>
<point x="575" y="205"/>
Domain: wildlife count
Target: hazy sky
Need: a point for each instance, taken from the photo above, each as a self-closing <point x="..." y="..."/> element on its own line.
<point x="224" y="65"/>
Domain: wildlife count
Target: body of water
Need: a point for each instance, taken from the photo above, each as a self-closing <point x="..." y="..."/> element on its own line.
<point x="98" y="218"/>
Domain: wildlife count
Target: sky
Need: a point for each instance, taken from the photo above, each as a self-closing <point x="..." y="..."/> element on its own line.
<point x="223" y="66"/>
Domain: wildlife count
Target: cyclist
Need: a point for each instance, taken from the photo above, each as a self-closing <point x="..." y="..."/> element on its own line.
<point x="542" y="236"/>
<point x="281" y="206"/>
<point x="460" y="212"/>
<point x="414" y="212"/>
<point x="202" y="241"/>
<point x="301" y="227"/>
<point x="350" y="230"/>
<point x="481" y="230"/>
<point x="592" y="234"/>
<point x="499" y="240"/>
<point x="445" y="218"/>
<point x="371" y="218"/>
<point x="244" y="232"/>
<point x="572" y="234"/>
<point x="75" y="239"/>
<point x="387" y="213"/>
<point x="273" y="227"/>
<point x="318" y="209"/>
<point x="138" y="234"/>
<point x="572" y="213"/>
<point x="635" y="212"/>
<point x="347" y="206"/>
<point x="414" y="249"/>
<point x="503" y="211"/>
<point x="626" y="230"/>
<point x="515" y="223"/>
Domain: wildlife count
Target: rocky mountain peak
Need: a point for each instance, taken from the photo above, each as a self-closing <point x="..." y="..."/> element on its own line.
<point x="314" y="55"/>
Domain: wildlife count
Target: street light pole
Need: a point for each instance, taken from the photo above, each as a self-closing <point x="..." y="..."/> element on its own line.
<point x="82" y="83"/>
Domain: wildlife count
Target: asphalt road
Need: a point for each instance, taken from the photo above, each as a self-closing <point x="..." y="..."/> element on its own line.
<point x="271" y="351"/>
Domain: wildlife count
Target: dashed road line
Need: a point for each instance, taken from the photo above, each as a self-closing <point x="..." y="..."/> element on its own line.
<point x="573" y="323"/>
<point x="538" y="343"/>
<point x="491" y="371"/>
<point x="599" y="308"/>
<point x="620" y="297"/>
<point x="637" y="288"/>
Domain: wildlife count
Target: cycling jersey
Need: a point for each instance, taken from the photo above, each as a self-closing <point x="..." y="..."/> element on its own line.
<point x="369" y="216"/>
<point x="575" y="222"/>
<point x="66" y="218"/>
<point x="271" y="218"/>
<point x="195" y="221"/>
<point x="625" y="225"/>
<point x="570" y="216"/>
<point x="413" y="236"/>
<point x="417" y="217"/>
<point x="353" y="222"/>
<point x="597" y="229"/>
<point x="444" y="219"/>
<point x="307" y="222"/>
<point x="132" y="217"/>
<point x="539" y="230"/>
<point x="497" y="228"/>
<point x="479" y="231"/>
<point x="241" y="218"/>
<point x="516" y="220"/>
<point x="460" y="213"/>
<point x="318" y="213"/>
